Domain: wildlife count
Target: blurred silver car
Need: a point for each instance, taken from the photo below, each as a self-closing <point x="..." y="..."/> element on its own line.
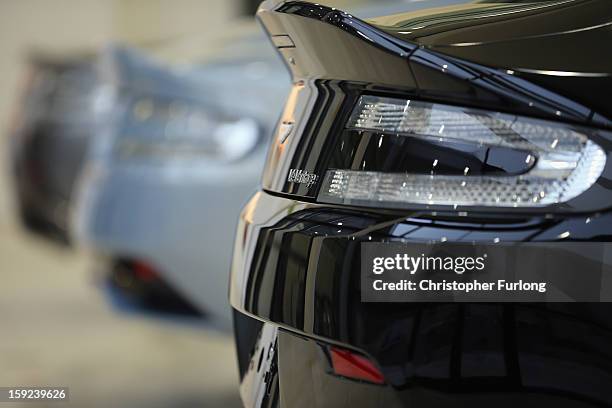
<point x="170" y="170"/>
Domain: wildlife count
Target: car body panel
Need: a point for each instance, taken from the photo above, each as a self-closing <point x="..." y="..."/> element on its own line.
<point x="376" y="62"/>
<point x="295" y="267"/>
<point x="173" y="212"/>
<point x="297" y="263"/>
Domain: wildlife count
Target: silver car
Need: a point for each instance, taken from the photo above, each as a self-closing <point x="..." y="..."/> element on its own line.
<point x="169" y="171"/>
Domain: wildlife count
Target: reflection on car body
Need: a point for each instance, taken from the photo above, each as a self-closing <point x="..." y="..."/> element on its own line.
<point x="390" y="115"/>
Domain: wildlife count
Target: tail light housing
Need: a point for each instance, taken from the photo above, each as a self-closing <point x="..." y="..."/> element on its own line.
<point x="405" y="151"/>
<point x="414" y="128"/>
<point x="158" y="128"/>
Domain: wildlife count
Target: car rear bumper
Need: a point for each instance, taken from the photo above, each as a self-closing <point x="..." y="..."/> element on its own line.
<point x="296" y="267"/>
<point x="180" y="224"/>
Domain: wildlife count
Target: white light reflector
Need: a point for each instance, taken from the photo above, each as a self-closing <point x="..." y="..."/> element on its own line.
<point x="567" y="162"/>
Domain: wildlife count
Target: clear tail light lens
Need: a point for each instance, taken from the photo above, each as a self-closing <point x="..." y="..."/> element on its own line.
<point x="540" y="162"/>
<point x="159" y="129"/>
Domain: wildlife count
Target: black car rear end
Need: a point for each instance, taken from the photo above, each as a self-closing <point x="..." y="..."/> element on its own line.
<point x="455" y="126"/>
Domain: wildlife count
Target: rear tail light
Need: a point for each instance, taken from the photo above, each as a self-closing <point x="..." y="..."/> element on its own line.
<point x="348" y="364"/>
<point x="144" y="271"/>
<point x="464" y="157"/>
<point x="166" y="130"/>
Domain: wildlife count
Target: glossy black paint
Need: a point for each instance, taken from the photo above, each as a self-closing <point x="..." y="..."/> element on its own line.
<point x="304" y="277"/>
<point x="556" y="45"/>
<point x="515" y="41"/>
<point x="448" y="373"/>
<point x="337" y="57"/>
<point x="296" y="263"/>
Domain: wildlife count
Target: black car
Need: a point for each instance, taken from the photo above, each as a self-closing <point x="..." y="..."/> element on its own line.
<point x="486" y="125"/>
<point x="56" y="118"/>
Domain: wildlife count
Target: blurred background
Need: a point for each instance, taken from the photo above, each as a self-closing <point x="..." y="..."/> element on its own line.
<point x="128" y="132"/>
